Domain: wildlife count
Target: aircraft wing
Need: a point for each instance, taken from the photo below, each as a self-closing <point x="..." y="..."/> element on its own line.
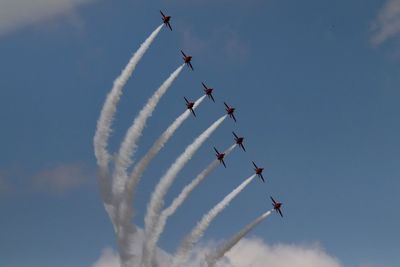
<point x="235" y="135"/>
<point x="233" y="117"/>
<point x="187" y="102"/>
<point x="194" y="114"/>
<point x="273" y="200"/>
<point x="216" y="150"/>
<point x="255" y="166"/>
<point x="212" y="98"/>
<point x="223" y="163"/>
<point x="183" y="53"/>
<point x="262" y="178"/>
<point x="278" y="210"/>
<point x="169" y="26"/>
<point x="190" y="65"/>
<point x="226" y="105"/>
<point x="242" y="146"/>
<point x="204" y="86"/>
<point x="162" y="14"/>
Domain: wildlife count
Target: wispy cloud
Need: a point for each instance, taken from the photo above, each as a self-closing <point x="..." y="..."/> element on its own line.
<point x="17" y="14"/>
<point x="222" y="42"/>
<point x="192" y="42"/>
<point x="5" y="185"/>
<point x="236" y="49"/>
<point x="61" y="178"/>
<point x="387" y="23"/>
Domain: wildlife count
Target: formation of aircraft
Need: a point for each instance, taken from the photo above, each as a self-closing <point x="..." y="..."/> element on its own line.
<point x="208" y="91"/>
<point x="187" y="60"/>
<point x="166" y="20"/>
<point x="239" y="141"/>
<point x="229" y="110"/>
<point x="190" y="106"/>
<point x="220" y="157"/>
<point x="277" y="206"/>
<point x="259" y="171"/>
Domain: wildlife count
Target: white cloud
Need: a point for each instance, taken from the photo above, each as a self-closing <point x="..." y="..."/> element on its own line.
<point x="61" y="178"/>
<point x="254" y="252"/>
<point x="16" y="14"/>
<point x="387" y="24"/>
<point x="108" y="258"/>
<point x="249" y="252"/>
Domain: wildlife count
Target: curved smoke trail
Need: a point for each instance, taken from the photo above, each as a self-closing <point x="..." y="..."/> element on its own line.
<point x="105" y="120"/>
<point x="125" y="209"/>
<point x="177" y="202"/>
<point x="213" y="258"/>
<point x="157" y="146"/>
<point x="124" y="160"/>
<point x="197" y="232"/>
<point x="128" y="146"/>
<point x="157" y="197"/>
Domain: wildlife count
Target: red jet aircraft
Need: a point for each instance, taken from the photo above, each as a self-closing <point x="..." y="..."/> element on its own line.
<point x="230" y="111"/>
<point x="277" y="206"/>
<point x="259" y="171"/>
<point x="220" y="157"/>
<point x="208" y="91"/>
<point x="190" y="106"/>
<point x="187" y="60"/>
<point x="239" y="141"/>
<point x="166" y="20"/>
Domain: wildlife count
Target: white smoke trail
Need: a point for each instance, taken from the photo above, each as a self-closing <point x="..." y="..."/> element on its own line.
<point x="125" y="209"/>
<point x="157" y="197"/>
<point x="197" y="232"/>
<point x="177" y="202"/>
<point x="104" y="122"/>
<point x="124" y="160"/>
<point x="128" y="145"/>
<point x="213" y="258"/>
<point x="157" y="146"/>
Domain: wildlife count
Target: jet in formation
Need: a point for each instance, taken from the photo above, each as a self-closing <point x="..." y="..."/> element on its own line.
<point x="239" y="141"/>
<point x="220" y="157"/>
<point x="208" y="91"/>
<point x="259" y="171"/>
<point x="277" y="206"/>
<point x="187" y="60"/>
<point x="190" y="106"/>
<point x="166" y="20"/>
<point x="230" y="111"/>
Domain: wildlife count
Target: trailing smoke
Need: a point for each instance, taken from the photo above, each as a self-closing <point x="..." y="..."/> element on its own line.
<point x="178" y="201"/>
<point x="105" y="120"/>
<point x="129" y="144"/>
<point x="157" y="197"/>
<point x="197" y="232"/>
<point x="212" y="259"/>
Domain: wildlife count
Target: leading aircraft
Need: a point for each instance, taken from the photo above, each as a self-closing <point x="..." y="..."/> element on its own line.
<point x="277" y="206"/>
<point x="166" y="20"/>
<point x="239" y="141"/>
<point x="220" y="157"/>
<point x="187" y="60"/>
<point x="259" y="171"/>
<point x="208" y="91"/>
<point x="230" y="111"/>
<point x="190" y="106"/>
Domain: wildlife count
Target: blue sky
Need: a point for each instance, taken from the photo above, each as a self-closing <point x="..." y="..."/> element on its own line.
<point x="315" y="85"/>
